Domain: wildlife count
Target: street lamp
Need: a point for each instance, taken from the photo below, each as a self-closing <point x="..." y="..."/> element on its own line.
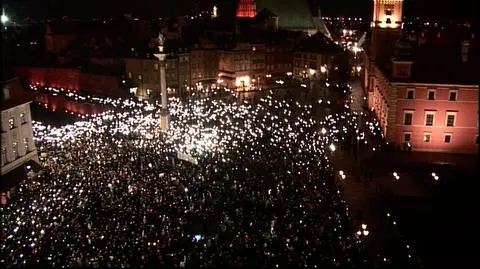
<point x="324" y="71"/>
<point x="4" y="17"/>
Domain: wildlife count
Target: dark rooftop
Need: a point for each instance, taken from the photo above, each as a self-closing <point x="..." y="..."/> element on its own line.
<point x="437" y="58"/>
<point x="291" y="14"/>
<point x="17" y="95"/>
<point x="319" y="43"/>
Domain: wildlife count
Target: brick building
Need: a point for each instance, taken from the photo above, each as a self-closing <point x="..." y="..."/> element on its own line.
<point x="422" y="86"/>
<point x="72" y="79"/>
<point x="234" y="66"/>
<point x="204" y="64"/>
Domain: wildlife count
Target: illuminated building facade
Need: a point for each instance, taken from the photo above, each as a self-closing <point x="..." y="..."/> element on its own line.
<point x="422" y="87"/>
<point x="246" y="9"/>
<point x="18" y="146"/>
<point x="235" y="66"/>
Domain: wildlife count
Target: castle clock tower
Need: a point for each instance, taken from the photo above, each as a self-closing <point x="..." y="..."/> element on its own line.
<point x="387" y="14"/>
<point x="386" y="28"/>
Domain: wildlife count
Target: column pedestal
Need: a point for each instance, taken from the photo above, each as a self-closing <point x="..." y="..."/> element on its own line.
<point x="164" y="120"/>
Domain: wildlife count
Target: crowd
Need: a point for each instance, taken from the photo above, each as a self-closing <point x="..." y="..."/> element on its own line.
<point x="261" y="192"/>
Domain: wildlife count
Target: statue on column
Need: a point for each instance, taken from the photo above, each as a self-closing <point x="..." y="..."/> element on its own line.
<point x="161" y="41"/>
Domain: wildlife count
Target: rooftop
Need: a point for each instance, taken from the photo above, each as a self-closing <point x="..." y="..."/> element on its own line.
<point x="437" y="58"/>
<point x="13" y="93"/>
<point x="293" y="15"/>
<point x="319" y="43"/>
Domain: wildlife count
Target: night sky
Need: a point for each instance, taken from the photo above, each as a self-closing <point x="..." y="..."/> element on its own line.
<point x="459" y="9"/>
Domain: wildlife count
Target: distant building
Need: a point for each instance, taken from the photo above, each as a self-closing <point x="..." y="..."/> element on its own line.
<point x="18" y="146"/>
<point x="246" y="9"/>
<point x="204" y="64"/>
<point x="423" y="87"/>
<point x="143" y="73"/>
<point x="235" y="66"/>
<point x="314" y="55"/>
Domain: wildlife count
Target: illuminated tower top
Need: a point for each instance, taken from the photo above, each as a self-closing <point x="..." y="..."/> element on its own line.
<point x="246" y="9"/>
<point x="387" y="14"/>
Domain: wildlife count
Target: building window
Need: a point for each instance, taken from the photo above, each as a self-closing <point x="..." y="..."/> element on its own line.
<point x="431" y="95"/>
<point x="15" y="150"/>
<point x="429" y="118"/>
<point x="451" y="119"/>
<point x="22" y="118"/>
<point x="4" y="152"/>
<point x="155" y="66"/>
<point x="388" y="12"/>
<point x="149" y="91"/>
<point x="129" y="74"/>
<point x="452" y="96"/>
<point x="427" y="137"/>
<point x="407" y="118"/>
<point x="407" y="137"/>
<point x="6" y="93"/>
<point x="477" y="140"/>
<point x="11" y="122"/>
<point x="410" y="93"/>
<point x="25" y="142"/>
<point x="140" y="77"/>
<point x="447" y="138"/>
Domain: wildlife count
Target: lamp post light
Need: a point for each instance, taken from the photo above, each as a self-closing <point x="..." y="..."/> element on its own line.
<point x="324" y="71"/>
<point x="4" y="17"/>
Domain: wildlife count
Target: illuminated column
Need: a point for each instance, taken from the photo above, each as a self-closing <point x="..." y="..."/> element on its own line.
<point x="164" y="117"/>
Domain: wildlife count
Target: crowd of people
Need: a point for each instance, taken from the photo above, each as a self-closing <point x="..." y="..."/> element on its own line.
<point x="257" y="190"/>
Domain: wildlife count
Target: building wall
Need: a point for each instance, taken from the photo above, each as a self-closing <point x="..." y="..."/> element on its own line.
<point x="258" y="63"/>
<point x="235" y="65"/>
<point x="17" y="139"/>
<point x="71" y="79"/>
<point x="144" y="73"/>
<point x="279" y="58"/>
<point x="463" y="133"/>
<point x="16" y="128"/>
<point x="60" y="103"/>
<point x="304" y="61"/>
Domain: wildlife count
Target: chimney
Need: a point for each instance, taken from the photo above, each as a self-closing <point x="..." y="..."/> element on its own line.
<point x="465" y="47"/>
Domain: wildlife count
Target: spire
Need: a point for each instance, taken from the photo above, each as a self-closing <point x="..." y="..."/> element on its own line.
<point x="246" y="9"/>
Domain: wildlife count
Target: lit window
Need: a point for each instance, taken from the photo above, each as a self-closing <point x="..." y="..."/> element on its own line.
<point x="450" y="119"/>
<point x="11" y="122"/>
<point x="429" y="118"/>
<point x="155" y="66"/>
<point x="408" y="116"/>
<point x="447" y="138"/>
<point x="149" y="91"/>
<point x="140" y="77"/>
<point x="410" y="93"/>
<point x="129" y="74"/>
<point x="22" y="118"/>
<point x="25" y="142"/>
<point x="15" y="149"/>
<point x="427" y="137"/>
<point x="452" y="96"/>
<point x="407" y="137"/>
<point x="431" y="95"/>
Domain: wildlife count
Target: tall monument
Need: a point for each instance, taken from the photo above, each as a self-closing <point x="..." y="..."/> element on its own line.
<point x="164" y="117"/>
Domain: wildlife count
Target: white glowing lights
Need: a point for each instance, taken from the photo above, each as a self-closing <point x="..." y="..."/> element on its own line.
<point x="332" y="147"/>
